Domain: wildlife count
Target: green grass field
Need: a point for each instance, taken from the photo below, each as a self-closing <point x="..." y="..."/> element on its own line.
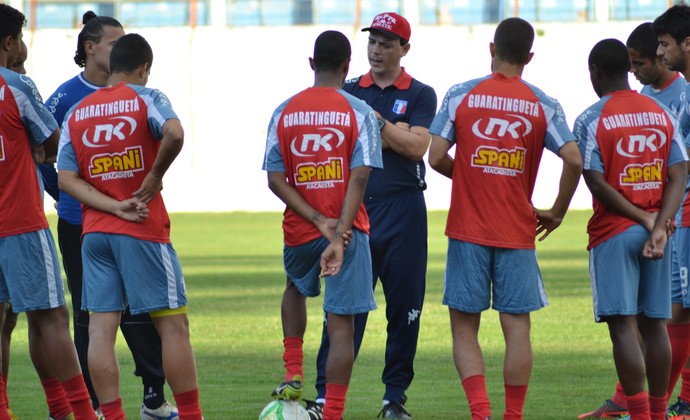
<point x="233" y="270"/>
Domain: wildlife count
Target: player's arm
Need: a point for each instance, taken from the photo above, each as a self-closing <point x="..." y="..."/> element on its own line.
<point x="549" y="220"/>
<point x="332" y="256"/>
<point x="614" y="201"/>
<point x="171" y="145"/>
<point x="50" y="145"/>
<point x="132" y="209"/>
<point x="439" y="159"/>
<point x="677" y="176"/>
<point x="278" y="184"/>
<point x="411" y="142"/>
<point x="50" y="182"/>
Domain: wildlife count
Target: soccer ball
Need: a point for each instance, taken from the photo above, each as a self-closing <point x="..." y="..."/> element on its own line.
<point x="284" y="410"/>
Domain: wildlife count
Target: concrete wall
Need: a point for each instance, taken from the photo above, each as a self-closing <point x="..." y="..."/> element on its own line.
<point x="225" y="83"/>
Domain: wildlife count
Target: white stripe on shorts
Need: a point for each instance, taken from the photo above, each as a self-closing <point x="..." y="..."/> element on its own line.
<point x="50" y="269"/>
<point x="593" y="281"/>
<point x="170" y="276"/>
<point x="542" y="292"/>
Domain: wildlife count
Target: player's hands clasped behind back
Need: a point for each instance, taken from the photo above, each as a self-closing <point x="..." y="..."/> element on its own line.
<point x="332" y="258"/>
<point x="655" y="244"/>
<point x="328" y="227"/>
<point x="133" y="210"/>
<point x="151" y="186"/>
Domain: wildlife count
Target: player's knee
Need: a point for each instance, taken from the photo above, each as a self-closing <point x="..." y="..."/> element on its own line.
<point x="171" y="322"/>
<point x="10" y="324"/>
<point x="49" y="319"/>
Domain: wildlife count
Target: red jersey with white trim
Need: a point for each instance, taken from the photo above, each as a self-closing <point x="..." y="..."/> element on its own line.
<point x="499" y="126"/>
<point x="24" y="121"/>
<point x="113" y="137"/>
<point x="317" y="137"/>
<point x="632" y="139"/>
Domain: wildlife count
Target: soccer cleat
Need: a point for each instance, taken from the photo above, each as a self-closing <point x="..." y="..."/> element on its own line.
<point x="670" y="415"/>
<point x="164" y="412"/>
<point x="314" y="409"/>
<point x="394" y="410"/>
<point x="679" y="408"/>
<point x="289" y="390"/>
<point x="70" y="416"/>
<point x="608" y="410"/>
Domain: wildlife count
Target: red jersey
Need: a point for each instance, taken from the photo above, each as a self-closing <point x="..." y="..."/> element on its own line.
<point x="499" y="126"/>
<point x="317" y="137"/>
<point x="23" y="120"/>
<point x="113" y="138"/>
<point x="632" y="140"/>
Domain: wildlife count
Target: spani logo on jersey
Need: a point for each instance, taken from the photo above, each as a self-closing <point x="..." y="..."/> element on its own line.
<point x="106" y="132"/>
<point x="647" y="176"/>
<point x="109" y="166"/>
<point x="497" y="128"/>
<point x="638" y="143"/>
<point x="499" y="161"/>
<point x="320" y="175"/>
<point x="311" y="144"/>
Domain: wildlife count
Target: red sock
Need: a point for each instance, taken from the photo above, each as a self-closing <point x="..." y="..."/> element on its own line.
<point x="477" y="397"/>
<point x="58" y="406"/>
<point x="293" y="357"/>
<point x="685" y="386"/>
<point x="113" y="410"/>
<point x="619" y="396"/>
<point x="657" y="407"/>
<point x="7" y="397"/>
<point x="679" y="335"/>
<point x="335" y="401"/>
<point x="188" y="405"/>
<point x="638" y="406"/>
<point x="515" y="400"/>
<point x="4" y="413"/>
<point x="78" y="398"/>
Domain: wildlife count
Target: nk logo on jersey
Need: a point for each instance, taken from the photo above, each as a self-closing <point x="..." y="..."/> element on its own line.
<point x="637" y="144"/>
<point x="102" y="134"/>
<point x="500" y="161"/>
<point x="493" y="128"/>
<point x="320" y="175"/>
<point x="647" y="176"/>
<point x="117" y="165"/>
<point x="311" y="144"/>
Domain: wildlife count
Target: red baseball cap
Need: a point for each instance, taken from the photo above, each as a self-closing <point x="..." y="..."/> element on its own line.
<point x="392" y="25"/>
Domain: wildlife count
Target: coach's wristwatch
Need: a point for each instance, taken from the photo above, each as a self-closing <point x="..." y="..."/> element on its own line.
<point x="381" y="121"/>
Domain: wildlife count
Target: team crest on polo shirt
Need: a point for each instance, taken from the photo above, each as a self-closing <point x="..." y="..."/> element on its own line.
<point x="400" y="106"/>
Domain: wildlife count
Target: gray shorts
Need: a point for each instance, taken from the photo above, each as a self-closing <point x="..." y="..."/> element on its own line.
<point x="626" y="283"/>
<point x="348" y="293"/>
<point x="476" y="272"/>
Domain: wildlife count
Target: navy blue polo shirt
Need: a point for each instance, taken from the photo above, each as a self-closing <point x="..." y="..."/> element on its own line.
<point x="407" y="100"/>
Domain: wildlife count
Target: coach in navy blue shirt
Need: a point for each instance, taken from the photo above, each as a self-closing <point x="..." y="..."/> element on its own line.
<point x="395" y="202"/>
